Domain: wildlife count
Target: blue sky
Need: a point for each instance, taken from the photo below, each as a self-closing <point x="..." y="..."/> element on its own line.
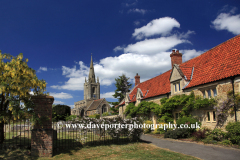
<point x="124" y="36"/>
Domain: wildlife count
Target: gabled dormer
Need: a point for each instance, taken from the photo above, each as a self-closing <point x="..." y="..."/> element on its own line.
<point x="178" y="79"/>
<point x="127" y="99"/>
<point x="139" y="96"/>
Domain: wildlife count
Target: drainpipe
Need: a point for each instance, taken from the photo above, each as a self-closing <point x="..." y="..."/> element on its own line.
<point x="235" y="108"/>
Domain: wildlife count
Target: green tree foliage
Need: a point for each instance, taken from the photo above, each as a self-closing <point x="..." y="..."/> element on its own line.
<point x="114" y="110"/>
<point x="60" y="112"/>
<point x="16" y="82"/>
<point x="122" y="86"/>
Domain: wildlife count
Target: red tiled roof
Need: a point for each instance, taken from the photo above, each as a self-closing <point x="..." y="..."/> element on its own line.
<point x="163" y="86"/>
<point x="220" y="62"/>
<point x="144" y="92"/>
<point x="187" y="71"/>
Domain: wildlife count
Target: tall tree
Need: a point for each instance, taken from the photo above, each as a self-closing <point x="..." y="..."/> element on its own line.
<point x="60" y="112"/>
<point x="16" y="82"/>
<point x="123" y="87"/>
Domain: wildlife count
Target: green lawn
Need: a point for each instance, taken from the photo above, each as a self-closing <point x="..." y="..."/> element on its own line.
<point x="134" y="151"/>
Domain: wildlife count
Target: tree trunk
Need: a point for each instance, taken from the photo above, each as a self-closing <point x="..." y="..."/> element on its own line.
<point x="1" y="132"/>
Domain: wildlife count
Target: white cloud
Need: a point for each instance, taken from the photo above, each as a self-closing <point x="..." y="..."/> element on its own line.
<point x="189" y="54"/>
<point x="153" y="46"/>
<point x="186" y="35"/>
<point x="107" y="95"/>
<point x="61" y="95"/>
<point x="131" y="4"/>
<point x="110" y="68"/>
<point x="161" y="26"/>
<point x="118" y="48"/>
<point x="228" y="21"/>
<point x="76" y="77"/>
<point x="42" y="69"/>
<point x="148" y="58"/>
<point x="58" y="102"/>
<point x="136" y="10"/>
<point x="136" y="23"/>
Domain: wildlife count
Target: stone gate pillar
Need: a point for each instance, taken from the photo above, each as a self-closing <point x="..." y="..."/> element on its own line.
<point x="42" y="134"/>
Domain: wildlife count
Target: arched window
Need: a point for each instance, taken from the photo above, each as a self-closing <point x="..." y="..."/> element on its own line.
<point x="82" y="113"/>
<point x="93" y="90"/>
<point x="104" y="108"/>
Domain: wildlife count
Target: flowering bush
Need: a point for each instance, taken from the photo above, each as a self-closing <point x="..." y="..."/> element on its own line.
<point x="226" y="106"/>
<point x="115" y="132"/>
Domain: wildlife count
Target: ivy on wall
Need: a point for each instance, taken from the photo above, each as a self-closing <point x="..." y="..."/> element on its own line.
<point x="164" y="111"/>
<point x="144" y="109"/>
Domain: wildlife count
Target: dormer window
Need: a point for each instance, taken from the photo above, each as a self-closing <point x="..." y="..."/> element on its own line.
<point x="177" y="87"/>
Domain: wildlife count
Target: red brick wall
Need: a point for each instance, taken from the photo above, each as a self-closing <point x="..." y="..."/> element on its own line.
<point x="176" y="57"/>
<point x="42" y="134"/>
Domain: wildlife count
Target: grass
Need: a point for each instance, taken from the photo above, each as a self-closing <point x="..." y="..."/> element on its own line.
<point x="134" y="151"/>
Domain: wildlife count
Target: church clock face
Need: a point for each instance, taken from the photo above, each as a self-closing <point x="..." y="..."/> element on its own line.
<point x="94" y="96"/>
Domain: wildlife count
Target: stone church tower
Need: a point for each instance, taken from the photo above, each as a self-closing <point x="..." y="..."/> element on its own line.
<point x="91" y="104"/>
<point x="91" y="88"/>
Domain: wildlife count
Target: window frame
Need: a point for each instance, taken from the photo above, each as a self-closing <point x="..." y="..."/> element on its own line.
<point x="208" y="116"/>
<point x="214" y="116"/>
<point x="209" y="93"/>
<point x="177" y="87"/>
<point x="214" y="92"/>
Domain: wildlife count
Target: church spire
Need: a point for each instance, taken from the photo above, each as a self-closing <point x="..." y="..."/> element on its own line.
<point x="91" y="77"/>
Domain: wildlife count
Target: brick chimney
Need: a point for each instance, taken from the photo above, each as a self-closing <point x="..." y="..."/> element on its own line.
<point x="176" y="57"/>
<point x="137" y="79"/>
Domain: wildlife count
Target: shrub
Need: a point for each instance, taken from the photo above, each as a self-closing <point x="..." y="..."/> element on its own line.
<point x="114" y="132"/>
<point x="177" y="133"/>
<point x="226" y="142"/>
<point x="71" y="118"/>
<point x="209" y="139"/>
<point x="218" y="134"/>
<point x="233" y="129"/>
<point x="200" y="134"/>
<point x="128" y="117"/>
<point x="189" y="121"/>
<point x="160" y="129"/>
<point x="96" y="116"/>
<point x="147" y="130"/>
<point x="105" y="114"/>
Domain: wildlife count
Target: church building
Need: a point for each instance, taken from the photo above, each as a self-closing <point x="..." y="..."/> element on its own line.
<point x="91" y="104"/>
